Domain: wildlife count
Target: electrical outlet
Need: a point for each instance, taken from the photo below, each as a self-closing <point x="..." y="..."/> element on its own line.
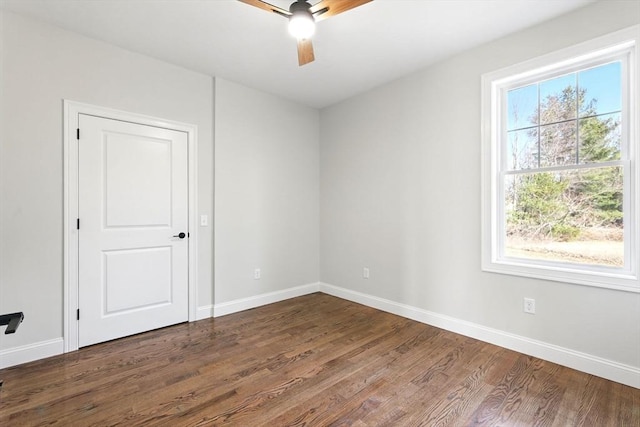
<point x="530" y="305"/>
<point x="256" y="274"/>
<point x="365" y="273"/>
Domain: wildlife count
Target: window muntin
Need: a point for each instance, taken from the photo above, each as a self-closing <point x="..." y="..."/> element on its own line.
<point x="581" y="155"/>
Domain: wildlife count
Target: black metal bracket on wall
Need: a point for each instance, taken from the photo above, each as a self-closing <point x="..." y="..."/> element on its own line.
<point x="12" y="321"/>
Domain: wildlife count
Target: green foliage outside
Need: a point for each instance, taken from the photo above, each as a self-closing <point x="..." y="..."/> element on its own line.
<point x="559" y="205"/>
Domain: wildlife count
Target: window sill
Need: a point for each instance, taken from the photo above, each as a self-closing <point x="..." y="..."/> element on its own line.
<point x="601" y="278"/>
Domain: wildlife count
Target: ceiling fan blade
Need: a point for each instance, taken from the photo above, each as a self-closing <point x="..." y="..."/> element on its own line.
<point x="334" y="7"/>
<point x="305" y="52"/>
<point x="266" y="6"/>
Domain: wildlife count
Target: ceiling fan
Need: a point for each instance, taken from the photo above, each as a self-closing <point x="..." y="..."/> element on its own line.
<point x="302" y="18"/>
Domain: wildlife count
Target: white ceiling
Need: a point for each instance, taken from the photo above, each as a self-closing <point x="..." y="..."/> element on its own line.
<point x="355" y="51"/>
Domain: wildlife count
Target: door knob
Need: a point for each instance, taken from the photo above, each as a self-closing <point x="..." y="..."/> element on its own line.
<point x="181" y="235"/>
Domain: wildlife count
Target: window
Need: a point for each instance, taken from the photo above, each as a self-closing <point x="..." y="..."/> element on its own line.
<point x="560" y="177"/>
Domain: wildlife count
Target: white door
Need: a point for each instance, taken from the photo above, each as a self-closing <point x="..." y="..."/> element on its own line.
<point x="133" y="207"/>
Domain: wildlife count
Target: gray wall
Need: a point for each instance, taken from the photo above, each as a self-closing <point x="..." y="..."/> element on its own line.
<point x="266" y="199"/>
<point x="400" y="194"/>
<point x="41" y="66"/>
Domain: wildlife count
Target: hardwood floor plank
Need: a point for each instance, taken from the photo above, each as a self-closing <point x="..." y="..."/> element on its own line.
<point x="367" y="366"/>
<point x="315" y="360"/>
<point x="507" y="397"/>
<point x="462" y="398"/>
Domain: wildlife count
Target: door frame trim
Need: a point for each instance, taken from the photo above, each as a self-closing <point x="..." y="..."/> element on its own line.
<point x="72" y="110"/>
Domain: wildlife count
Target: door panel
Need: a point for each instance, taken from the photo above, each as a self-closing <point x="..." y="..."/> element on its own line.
<point x="136" y="279"/>
<point x="138" y="181"/>
<point x="133" y="269"/>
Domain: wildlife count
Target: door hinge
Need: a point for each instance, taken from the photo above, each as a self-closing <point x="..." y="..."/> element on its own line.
<point x="78" y="224"/>
<point x="78" y="314"/>
<point x="78" y="134"/>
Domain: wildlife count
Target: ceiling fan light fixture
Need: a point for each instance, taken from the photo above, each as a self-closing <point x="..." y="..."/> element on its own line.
<point x="301" y="24"/>
<point x="302" y="19"/>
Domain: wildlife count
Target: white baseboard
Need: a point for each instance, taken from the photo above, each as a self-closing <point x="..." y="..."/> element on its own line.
<point x="614" y="371"/>
<point x="28" y="353"/>
<point x="263" y="299"/>
<point x="611" y="370"/>
<point x="204" y="312"/>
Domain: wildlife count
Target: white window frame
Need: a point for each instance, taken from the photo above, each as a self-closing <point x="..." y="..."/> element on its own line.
<point x="621" y="44"/>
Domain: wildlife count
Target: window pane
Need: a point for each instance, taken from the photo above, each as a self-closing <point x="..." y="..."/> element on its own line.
<point x="522" y="149"/>
<point x="600" y="89"/>
<point x="558" y="99"/>
<point x="569" y="216"/>
<point x="600" y="138"/>
<point x="558" y="144"/>
<point x="522" y="105"/>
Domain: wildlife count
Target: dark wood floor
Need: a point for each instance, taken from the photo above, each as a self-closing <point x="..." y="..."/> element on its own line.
<point x="311" y="361"/>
